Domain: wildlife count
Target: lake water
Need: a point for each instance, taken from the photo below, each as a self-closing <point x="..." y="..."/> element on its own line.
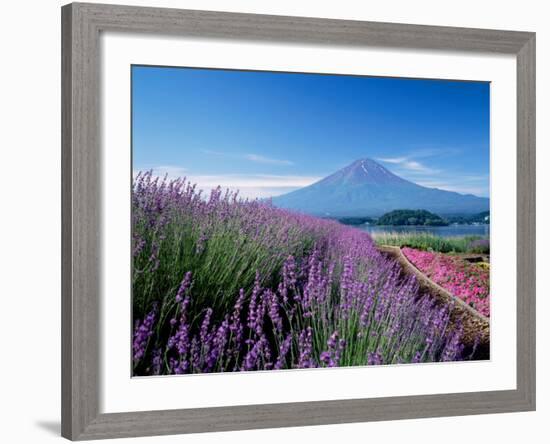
<point x="450" y="230"/>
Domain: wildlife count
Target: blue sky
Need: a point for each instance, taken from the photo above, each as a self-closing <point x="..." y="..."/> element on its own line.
<point x="269" y="133"/>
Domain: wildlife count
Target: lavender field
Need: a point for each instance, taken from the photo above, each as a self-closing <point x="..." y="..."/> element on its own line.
<point x="222" y="284"/>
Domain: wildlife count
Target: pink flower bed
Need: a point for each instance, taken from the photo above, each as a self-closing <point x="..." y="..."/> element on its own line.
<point x="464" y="280"/>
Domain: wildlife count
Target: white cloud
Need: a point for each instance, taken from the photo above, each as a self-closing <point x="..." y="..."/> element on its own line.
<point x="249" y="185"/>
<point x="421" y="174"/>
<point x="392" y="159"/>
<point x="464" y="185"/>
<point x="415" y="166"/>
<point x="257" y="158"/>
<point x="252" y="180"/>
<point x="169" y="170"/>
<point x="407" y="164"/>
<point x="262" y="159"/>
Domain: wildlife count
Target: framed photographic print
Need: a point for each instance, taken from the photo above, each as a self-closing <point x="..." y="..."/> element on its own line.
<point x="279" y="221"/>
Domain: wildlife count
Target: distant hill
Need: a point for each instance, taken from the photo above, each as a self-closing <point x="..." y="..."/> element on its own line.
<point x="356" y="220"/>
<point x="366" y="188"/>
<point x="411" y="217"/>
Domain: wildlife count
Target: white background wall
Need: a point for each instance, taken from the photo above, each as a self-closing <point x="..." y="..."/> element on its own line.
<point x="30" y="219"/>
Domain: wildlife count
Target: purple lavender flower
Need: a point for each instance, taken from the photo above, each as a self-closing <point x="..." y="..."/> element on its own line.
<point x="314" y="281"/>
<point x="201" y="243"/>
<point x="288" y="278"/>
<point x="305" y="349"/>
<point x="184" y="287"/>
<point x="253" y="306"/>
<point x="143" y="331"/>
<point x="375" y="359"/>
<point x="156" y="361"/>
<point x="331" y="357"/>
<point x="205" y="325"/>
<point x="453" y="349"/>
<point x="283" y="352"/>
<point x="251" y="359"/>
<point x="274" y="312"/>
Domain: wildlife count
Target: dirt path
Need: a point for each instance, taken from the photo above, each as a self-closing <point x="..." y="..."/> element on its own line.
<point x="475" y="324"/>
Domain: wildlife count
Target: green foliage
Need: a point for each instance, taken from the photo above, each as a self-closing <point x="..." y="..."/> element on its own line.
<point x="480" y="246"/>
<point x="223" y="260"/>
<point x="427" y="241"/>
<point x="411" y="217"/>
<point x="355" y="220"/>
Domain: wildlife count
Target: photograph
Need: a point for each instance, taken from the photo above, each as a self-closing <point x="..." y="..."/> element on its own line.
<point x="286" y="221"/>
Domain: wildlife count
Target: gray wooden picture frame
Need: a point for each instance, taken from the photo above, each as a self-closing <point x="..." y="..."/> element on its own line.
<point x="81" y="174"/>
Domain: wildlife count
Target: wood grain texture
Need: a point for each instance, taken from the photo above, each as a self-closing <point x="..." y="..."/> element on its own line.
<point x="526" y="221"/>
<point x="66" y="224"/>
<point x="301" y="29"/>
<point x="120" y="425"/>
<point x="81" y="222"/>
<point x="81" y="230"/>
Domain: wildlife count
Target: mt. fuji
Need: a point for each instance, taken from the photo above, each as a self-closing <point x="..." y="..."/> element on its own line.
<point x="366" y="188"/>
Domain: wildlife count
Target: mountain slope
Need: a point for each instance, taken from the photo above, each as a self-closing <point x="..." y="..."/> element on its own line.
<point x="366" y="188"/>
